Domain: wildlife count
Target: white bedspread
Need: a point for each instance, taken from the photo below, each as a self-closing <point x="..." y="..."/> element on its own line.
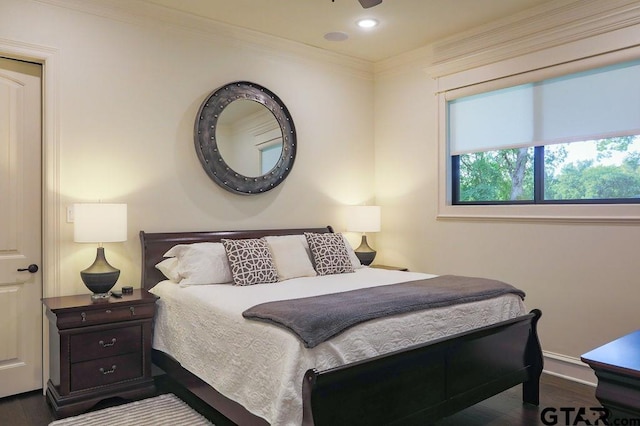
<point x="261" y="366"/>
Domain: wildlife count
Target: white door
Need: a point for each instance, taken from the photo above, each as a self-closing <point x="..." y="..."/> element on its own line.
<point x="20" y="227"/>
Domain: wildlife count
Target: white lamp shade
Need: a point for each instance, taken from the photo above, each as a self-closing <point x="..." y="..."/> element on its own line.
<point x="363" y="219"/>
<point x="99" y="223"/>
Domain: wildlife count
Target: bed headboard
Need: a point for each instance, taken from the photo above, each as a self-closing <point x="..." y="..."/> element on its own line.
<point x="154" y="245"/>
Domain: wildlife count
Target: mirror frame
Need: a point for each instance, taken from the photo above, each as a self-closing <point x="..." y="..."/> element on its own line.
<point x="206" y="143"/>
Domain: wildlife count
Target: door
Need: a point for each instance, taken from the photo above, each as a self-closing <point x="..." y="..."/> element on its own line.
<point x="20" y="227"/>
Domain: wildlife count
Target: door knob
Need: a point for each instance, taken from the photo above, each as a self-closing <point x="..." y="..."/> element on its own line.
<point x="33" y="268"/>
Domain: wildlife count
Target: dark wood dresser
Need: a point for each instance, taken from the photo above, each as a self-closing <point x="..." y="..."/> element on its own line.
<point x="617" y="366"/>
<point x="99" y="350"/>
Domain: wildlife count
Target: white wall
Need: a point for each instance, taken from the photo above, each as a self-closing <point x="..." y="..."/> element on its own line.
<point x="128" y="89"/>
<point x="583" y="276"/>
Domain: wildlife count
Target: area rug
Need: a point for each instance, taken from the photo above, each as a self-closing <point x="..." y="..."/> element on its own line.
<point x="163" y="410"/>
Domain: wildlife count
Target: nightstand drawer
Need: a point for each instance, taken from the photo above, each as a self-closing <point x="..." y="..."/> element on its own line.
<point x="102" y="316"/>
<point x="105" y="343"/>
<point x="100" y="372"/>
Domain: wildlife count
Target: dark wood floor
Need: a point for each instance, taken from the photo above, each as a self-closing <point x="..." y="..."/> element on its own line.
<point x="31" y="409"/>
<point x="507" y="408"/>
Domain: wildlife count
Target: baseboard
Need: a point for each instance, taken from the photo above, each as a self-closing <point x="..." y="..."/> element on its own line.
<point x="569" y="368"/>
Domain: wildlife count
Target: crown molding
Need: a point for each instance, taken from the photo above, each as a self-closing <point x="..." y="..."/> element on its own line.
<point x="549" y="25"/>
<point x="420" y="58"/>
<point x="544" y="26"/>
<point x="140" y="12"/>
<point x="441" y="55"/>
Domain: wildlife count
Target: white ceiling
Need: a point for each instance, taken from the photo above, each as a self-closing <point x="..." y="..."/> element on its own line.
<point x="404" y="24"/>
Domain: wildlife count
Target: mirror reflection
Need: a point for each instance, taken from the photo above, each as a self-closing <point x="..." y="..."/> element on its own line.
<point x="245" y="138"/>
<point x="249" y="137"/>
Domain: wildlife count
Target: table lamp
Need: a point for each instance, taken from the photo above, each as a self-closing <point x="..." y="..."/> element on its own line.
<point x="364" y="219"/>
<point x="100" y="223"/>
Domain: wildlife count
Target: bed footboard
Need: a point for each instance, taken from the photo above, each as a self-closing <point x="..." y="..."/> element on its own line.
<point x="429" y="381"/>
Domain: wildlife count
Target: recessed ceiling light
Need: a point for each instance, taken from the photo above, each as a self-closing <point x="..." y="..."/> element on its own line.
<point x="336" y="36"/>
<point x="367" y="23"/>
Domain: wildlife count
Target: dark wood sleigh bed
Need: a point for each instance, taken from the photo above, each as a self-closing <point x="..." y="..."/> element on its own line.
<point x="417" y="385"/>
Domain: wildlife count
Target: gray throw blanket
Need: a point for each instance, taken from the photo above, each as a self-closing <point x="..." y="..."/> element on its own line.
<point x="318" y="318"/>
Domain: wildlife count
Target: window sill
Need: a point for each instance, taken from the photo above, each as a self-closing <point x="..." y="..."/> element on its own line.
<point x="590" y="214"/>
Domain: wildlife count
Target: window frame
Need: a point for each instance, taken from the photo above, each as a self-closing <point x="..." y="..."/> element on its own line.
<point x="507" y="73"/>
<point x="538" y="187"/>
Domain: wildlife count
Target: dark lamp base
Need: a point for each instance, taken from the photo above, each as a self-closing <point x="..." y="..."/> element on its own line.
<point x="365" y="253"/>
<point x="97" y="297"/>
<point x="100" y="277"/>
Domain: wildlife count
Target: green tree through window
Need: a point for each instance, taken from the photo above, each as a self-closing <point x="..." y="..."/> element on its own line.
<point x="601" y="170"/>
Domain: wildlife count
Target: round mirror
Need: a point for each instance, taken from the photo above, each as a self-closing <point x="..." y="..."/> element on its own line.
<point x="249" y="138"/>
<point x="245" y="138"/>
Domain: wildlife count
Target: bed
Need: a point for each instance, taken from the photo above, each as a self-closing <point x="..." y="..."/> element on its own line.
<point x="416" y="381"/>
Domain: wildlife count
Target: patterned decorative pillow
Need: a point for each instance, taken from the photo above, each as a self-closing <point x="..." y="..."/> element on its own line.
<point x="330" y="255"/>
<point x="251" y="261"/>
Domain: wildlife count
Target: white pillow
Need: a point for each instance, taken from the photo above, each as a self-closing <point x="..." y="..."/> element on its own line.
<point x="352" y="254"/>
<point x="201" y="263"/>
<point x="169" y="267"/>
<point x="291" y="257"/>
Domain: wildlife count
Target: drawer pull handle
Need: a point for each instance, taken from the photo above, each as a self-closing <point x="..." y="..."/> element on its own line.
<point x="108" y="311"/>
<point x="105" y="372"/>
<point x="106" y="345"/>
<point x="133" y="310"/>
<point x="84" y="316"/>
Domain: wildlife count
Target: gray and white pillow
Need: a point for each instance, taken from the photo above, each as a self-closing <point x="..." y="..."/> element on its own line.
<point x="250" y="261"/>
<point x="330" y="255"/>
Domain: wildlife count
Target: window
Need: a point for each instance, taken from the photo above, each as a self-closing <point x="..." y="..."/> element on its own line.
<point x="570" y="139"/>
<point x="269" y="156"/>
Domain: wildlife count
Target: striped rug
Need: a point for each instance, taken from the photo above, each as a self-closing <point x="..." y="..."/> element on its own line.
<point x="163" y="410"/>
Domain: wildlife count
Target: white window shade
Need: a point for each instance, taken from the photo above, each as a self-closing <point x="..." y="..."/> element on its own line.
<point x="589" y="105"/>
<point x="269" y="157"/>
<point x="489" y="121"/>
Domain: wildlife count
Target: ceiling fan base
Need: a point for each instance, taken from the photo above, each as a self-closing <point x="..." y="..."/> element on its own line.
<point x="369" y="3"/>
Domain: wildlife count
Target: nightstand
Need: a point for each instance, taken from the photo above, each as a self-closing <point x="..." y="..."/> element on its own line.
<point x="99" y="350"/>
<point x="392" y="268"/>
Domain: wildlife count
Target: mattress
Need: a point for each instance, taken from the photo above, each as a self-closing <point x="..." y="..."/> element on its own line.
<point x="261" y="365"/>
